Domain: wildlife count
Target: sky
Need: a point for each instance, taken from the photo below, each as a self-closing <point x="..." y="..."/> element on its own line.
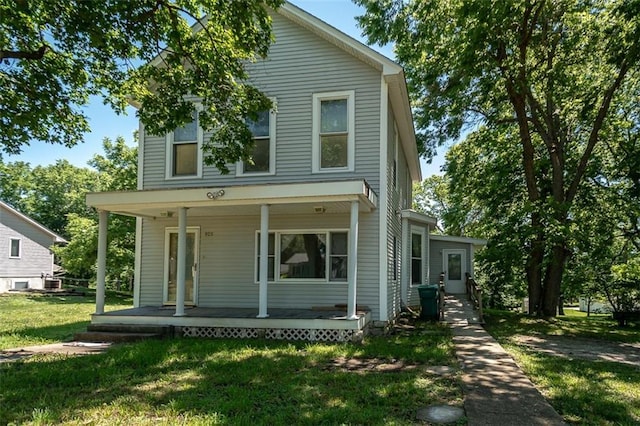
<point x="105" y="123"/>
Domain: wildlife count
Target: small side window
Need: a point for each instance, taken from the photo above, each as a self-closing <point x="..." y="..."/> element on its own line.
<point x="15" y="248"/>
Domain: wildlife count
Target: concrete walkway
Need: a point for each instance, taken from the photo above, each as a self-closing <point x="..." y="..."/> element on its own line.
<point x="496" y="390"/>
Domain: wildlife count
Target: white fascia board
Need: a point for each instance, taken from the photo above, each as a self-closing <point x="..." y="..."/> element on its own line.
<point x="415" y="216"/>
<point x="404" y="118"/>
<point x="454" y="239"/>
<point x="235" y="195"/>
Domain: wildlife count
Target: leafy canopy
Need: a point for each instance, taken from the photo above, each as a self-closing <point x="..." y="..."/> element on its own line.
<point x="160" y="54"/>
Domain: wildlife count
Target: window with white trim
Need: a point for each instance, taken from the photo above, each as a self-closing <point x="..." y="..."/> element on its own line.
<point x="416" y="259"/>
<point x="263" y="158"/>
<point x="184" y="150"/>
<point x="318" y="256"/>
<point x="15" y="248"/>
<point x="333" y="131"/>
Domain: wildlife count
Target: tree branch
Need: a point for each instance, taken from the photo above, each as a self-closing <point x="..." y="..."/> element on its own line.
<point x="33" y="55"/>
<point x="597" y="126"/>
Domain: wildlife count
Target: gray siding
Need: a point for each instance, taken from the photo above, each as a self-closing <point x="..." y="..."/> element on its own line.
<point x="36" y="258"/>
<point x="394" y="301"/>
<point x="227" y="263"/>
<point x="299" y="65"/>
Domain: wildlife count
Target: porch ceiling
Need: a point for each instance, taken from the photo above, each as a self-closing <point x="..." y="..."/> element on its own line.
<point x="298" y="198"/>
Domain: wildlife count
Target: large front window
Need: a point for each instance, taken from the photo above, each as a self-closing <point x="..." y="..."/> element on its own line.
<point x="312" y="255"/>
<point x="333" y="131"/>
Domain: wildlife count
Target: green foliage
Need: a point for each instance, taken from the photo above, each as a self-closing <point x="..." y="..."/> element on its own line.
<point x="54" y="195"/>
<point x="541" y="86"/>
<point x="54" y="54"/>
<point x="116" y="170"/>
<point x="215" y="381"/>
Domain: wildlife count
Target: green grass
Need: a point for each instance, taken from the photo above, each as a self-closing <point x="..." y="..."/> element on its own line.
<point x="226" y="382"/>
<point x="35" y="319"/>
<point x="582" y="391"/>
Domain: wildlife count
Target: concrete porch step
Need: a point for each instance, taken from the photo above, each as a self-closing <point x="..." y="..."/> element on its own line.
<point x="113" y="336"/>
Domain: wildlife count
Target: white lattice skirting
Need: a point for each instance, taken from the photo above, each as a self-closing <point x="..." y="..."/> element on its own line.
<point x="312" y="335"/>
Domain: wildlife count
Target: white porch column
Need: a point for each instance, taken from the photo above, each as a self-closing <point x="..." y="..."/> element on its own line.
<point x="103" y="221"/>
<point x="181" y="262"/>
<point x="352" y="273"/>
<point x="264" y="261"/>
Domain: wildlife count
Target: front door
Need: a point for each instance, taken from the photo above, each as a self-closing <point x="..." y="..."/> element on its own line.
<point x="455" y="267"/>
<point x="171" y="266"/>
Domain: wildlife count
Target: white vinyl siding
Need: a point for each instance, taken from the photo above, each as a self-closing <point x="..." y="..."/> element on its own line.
<point x="333" y="131"/>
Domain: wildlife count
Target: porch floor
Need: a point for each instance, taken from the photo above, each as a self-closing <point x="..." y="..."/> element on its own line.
<point x="205" y="320"/>
<point x="234" y="313"/>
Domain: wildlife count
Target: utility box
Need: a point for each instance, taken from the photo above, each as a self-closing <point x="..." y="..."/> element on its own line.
<point x="429" y="302"/>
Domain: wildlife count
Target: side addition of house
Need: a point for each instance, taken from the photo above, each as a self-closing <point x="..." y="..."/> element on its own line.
<point x="26" y="260"/>
<point x="312" y="239"/>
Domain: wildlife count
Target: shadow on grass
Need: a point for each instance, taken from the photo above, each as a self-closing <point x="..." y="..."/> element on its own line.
<point x="224" y="382"/>
<point x="588" y="392"/>
<point x="503" y="324"/>
<point x="57" y="332"/>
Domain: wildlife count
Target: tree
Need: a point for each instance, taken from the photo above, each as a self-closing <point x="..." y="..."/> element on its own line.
<point x="431" y="197"/>
<point x="116" y="170"/>
<point x="161" y="54"/>
<point x="552" y="72"/>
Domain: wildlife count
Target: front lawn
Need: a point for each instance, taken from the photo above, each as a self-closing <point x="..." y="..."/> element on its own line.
<point x="37" y="319"/>
<point x="229" y="382"/>
<point x="584" y="392"/>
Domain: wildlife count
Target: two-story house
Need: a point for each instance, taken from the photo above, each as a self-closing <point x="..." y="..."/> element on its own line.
<point x="26" y="259"/>
<point x="312" y="239"/>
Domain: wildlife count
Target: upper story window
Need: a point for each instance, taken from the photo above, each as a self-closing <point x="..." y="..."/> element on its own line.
<point x="333" y="131"/>
<point x="14" y="248"/>
<point x="184" y="150"/>
<point x="263" y="157"/>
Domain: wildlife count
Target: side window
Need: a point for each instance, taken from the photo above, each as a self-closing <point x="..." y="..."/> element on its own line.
<point x="184" y="150"/>
<point x="262" y="159"/>
<point x="333" y="131"/>
<point x="14" y="248"/>
<point x="416" y="259"/>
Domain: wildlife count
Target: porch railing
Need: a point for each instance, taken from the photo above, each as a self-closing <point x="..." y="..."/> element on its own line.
<point x="474" y="293"/>
<point x="441" y="296"/>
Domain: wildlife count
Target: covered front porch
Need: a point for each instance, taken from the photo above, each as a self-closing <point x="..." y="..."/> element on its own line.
<point x="260" y="304"/>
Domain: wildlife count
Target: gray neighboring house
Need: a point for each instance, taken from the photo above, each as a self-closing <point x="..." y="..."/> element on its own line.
<point x="26" y="259"/>
<point x="330" y="186"/>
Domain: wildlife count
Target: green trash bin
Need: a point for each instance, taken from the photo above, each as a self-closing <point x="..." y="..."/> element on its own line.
<point x="428" y="302"/>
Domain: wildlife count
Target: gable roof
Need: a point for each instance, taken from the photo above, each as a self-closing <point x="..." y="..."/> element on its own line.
<point x="392" y="72"/>
<point x="56" y="238"/>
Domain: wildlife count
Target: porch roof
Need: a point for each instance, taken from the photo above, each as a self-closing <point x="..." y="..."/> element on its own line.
<point x="302" y="198"/>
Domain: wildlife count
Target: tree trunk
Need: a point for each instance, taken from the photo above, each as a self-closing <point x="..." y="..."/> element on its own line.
<point x="534" y="267"/>
<point x="555" y="271"/>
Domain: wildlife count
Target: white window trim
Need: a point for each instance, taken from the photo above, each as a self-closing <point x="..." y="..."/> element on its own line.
<point x="276" y="262"/>
<point x="417" y="231"/>
<point x="350" y="96"/>
<point x="19" y="240"/>
<point x="272" y="147"/>
<point x="169" y="153"/>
